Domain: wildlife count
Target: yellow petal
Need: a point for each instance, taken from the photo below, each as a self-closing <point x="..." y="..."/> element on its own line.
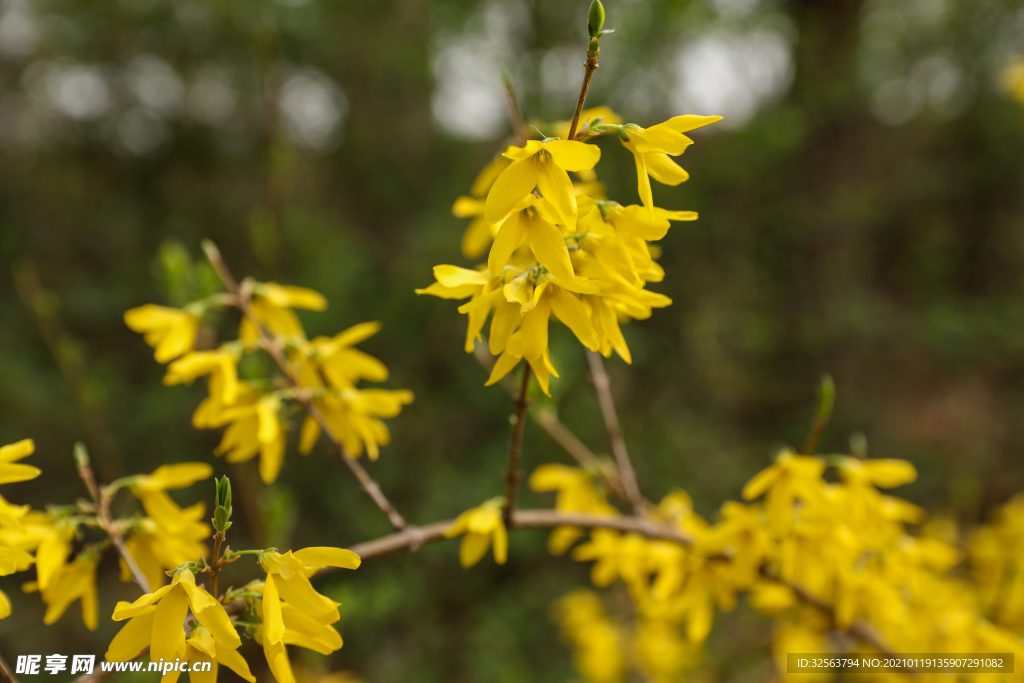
<point x="277" y="660"/>
<point x="271" y="458"/>
<point x="573" y="155"/>
<point x="330" y="557"/>
<point x="473" y="548"/>
<point x="660" y="138"/>
<point x="467" y="207"/>
<point x="571" y="312"/>
<point x="309" y="435"/>
<point x="5" y="606"/>
<point x="273" y="625"/>
<point x="167" y="477"/>
<point x="555" y="185"/>
<point x="506" y="319"/>
<point x="17" y="450"/>
<point x="168" y="625"/>
<point x="124" y="610"/>
<point x="13" y="472"/>
<point x="453" y="276"/>
<point x="132" y="639"/>
<point x="515" y="182"/>
<point x="505" y="364"/>
<point x="662" y="168"/>
<point x="234" y="661"/>
<point x="643" y="182"/>
<point x="535" y="329"/>
<point x="288" y="296"/>
<point x="549" y="248"/>
<point x="510" y="235"/>
<point x="476" y="238"/>
<point x="684" y="124"/>
<point x="888" y="472"/>
<point x="500" y="538"/>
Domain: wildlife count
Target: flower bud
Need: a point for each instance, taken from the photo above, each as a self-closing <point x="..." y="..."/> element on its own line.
<point x="222" y="513"/>
<point x="595" y="19"/>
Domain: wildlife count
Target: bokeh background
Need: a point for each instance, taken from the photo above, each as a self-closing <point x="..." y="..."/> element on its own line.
<point x="862" y="214"/>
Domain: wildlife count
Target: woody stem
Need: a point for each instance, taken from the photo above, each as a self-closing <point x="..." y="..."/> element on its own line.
<point x="513" y="475"/>
<point x="216" y="564"/>
<point x="591" y="66"/>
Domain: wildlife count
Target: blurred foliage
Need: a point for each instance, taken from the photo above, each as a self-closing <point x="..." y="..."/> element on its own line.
<point x="864" y="217"/>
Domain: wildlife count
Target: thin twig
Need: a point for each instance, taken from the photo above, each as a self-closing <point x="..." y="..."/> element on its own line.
<point x="101" y="499"/>
<point x="515" y="450"/>
<point x="548" y="420"/>
<point x="591" y="66"/>
<point x="5" y="671"/>
<point x="217" y="563"/>
<point x="269" y="343"/>
<point x="611" y="422"/>
<point x="515" y="114"/>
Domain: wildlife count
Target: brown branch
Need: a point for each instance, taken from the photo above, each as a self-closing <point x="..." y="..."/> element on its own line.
<point x="218" y="562"/>
<point x="269" y="343"/>
<point x="548" y="420"/>
<point x="591" y="66"/>
<point x="611" y="421"/>
<point x="515" y="450"/>
<point x="101" y="500"/>
<point x="5" y="672"/>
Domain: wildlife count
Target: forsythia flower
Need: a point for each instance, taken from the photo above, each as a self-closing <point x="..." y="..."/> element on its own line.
<point x="272" y="305"/>
<point x="576" y="493"/>
<point x="151" y="490"/>
<point x="292" y="612"/>
<point x="653" y="148"/>
<point x="75" y="580"/>
<point x="542" y="164"/>
<point x="156" y="548"/>
<point x="157" y="620"/>
<point x="201" y="646"/>
<point x="171" y="331"/>
<point x="598" y="643"/>
<point x="478" y="528"/>
<point x="13" y="558"/>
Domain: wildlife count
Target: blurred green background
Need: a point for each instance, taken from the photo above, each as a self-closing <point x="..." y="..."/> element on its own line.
<point x="862" y="214"/>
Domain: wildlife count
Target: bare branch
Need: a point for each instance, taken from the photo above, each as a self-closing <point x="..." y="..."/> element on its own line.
<point x="5" y="672"/>
<point x="515" y="450"/>
<point x="273" y="347"/>
<point x="611" y="422"/>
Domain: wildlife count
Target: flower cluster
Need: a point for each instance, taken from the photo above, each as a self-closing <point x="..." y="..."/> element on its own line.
<point x="14" y="552"/>
<point x="559" y="248"/>
<point x="844" y="543"/>
<point x="323" y="372"/>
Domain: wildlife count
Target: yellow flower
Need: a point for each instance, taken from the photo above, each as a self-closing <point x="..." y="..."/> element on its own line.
<point x="171" y="331"/>
<point x="532" y="220"/>
<point x="653" y="148"/>
<point x="791" y="477"/>
<point x="598" y="642"/>
<point x="478" y="528"/>
<point x="76" y="580"/>
<point x="201" y="646"/>
<point x="272" y="304"/>
<point x="157" y="620"/>
<point x="353" y="417"/>
<point x="541" y="164"/>
<point x="576" y="493"/>
<point x="155" y="548"/>
<point x="287" y="580"/>
<point x="151" y="490"/>
<point x="222" y="363"/>
<point x="299" y="629"/>
<point x="337" y="362"/>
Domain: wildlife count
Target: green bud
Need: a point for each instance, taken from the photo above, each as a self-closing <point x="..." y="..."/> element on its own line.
<point x="224" y="492"/>
<point x="595" y="19"/>
<point x="220" y="519"/>
<point x="81" y="455"/>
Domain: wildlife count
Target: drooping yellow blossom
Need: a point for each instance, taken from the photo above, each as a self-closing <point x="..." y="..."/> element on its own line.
<point x="157" y="620"/>
<point x="576" y="493"/>
<point x="75" y="580"/>
<point x="334" y="360"/>
<point x="171" y="331"/>
<point x="354" y="417"/>
<point x="13" y="555"/>
<point x="272" y="305"/>
<point x="542" y="164"/>
<point x="480" y="527"/>
<point x="291" y="611"/>
<point x="156" y="548"/>
<point x="201" y="646"/>
<point x="255" y="425"/>
<point x="222" y="364"/>
<point x="653" y="148"/>
<point x="151" y="490"/>
<point x="598" y="643"/>
<point x="791" y="477"/>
